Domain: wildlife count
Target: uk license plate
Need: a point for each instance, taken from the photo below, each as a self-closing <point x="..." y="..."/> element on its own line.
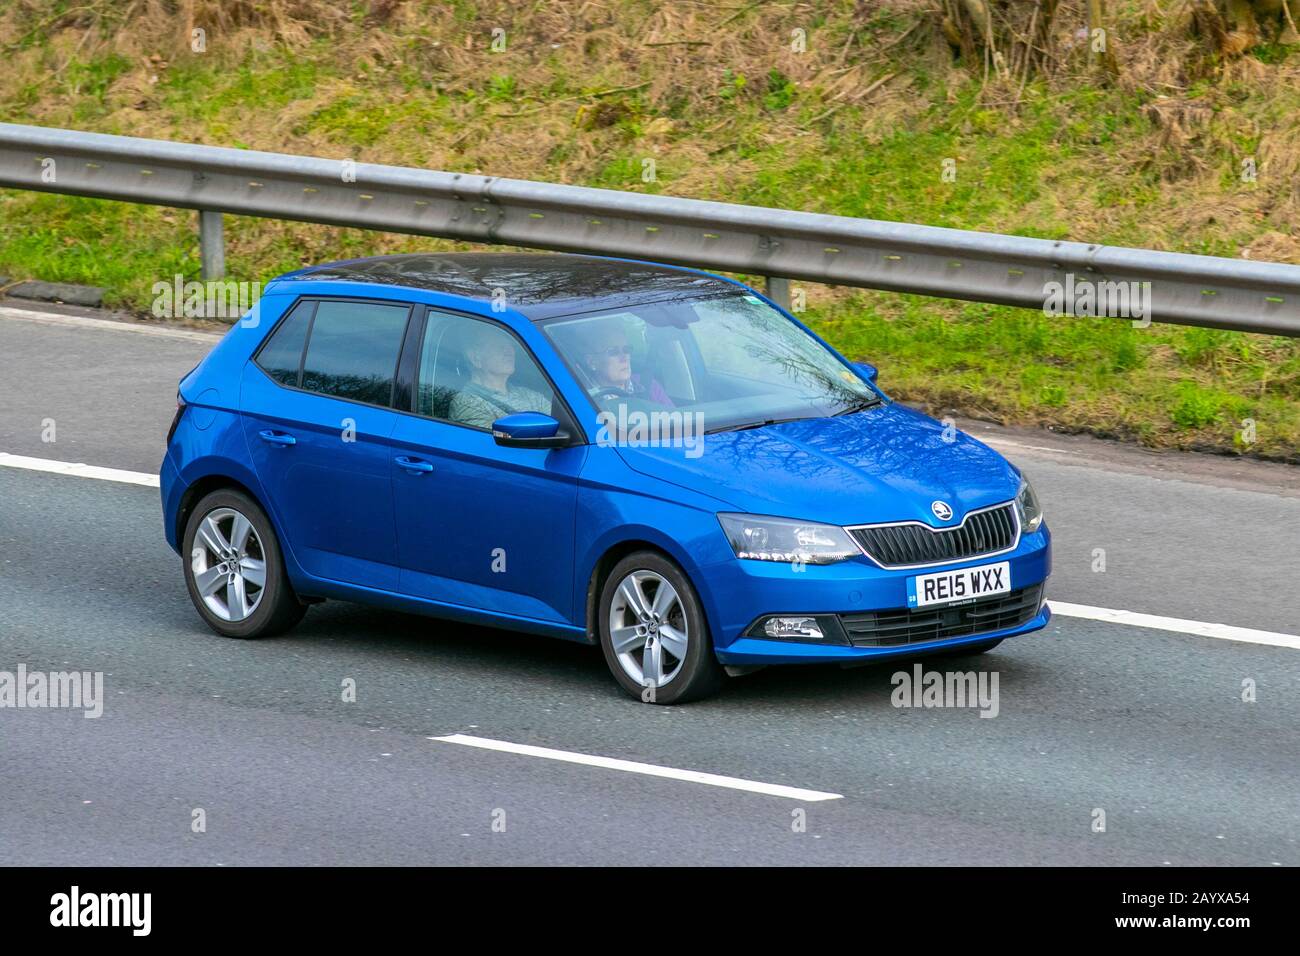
<point x="956" y="587"/>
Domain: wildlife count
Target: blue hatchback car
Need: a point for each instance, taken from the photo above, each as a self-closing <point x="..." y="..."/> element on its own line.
<point x="652" y="459"/>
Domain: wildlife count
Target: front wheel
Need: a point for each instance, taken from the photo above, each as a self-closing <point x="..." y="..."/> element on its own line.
<point x="653" y="632"/>
<point x="234" y="570"/>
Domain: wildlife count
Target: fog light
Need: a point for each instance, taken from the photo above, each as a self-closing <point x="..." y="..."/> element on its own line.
<point x="788" y="627"/>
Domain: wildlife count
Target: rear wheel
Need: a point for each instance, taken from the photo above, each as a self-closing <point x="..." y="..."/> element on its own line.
<point x="653" y="632"/>
<point x="233" y="568"/>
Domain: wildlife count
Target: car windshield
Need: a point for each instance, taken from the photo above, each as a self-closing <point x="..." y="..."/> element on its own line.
<point x="733" y="359"/>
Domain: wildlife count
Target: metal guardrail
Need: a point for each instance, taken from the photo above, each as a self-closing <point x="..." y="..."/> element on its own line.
<point x="777" y="243"/>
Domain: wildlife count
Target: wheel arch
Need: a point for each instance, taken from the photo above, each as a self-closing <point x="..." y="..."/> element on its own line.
<point x="605" y="564"/>
<point x="204" y="486"/>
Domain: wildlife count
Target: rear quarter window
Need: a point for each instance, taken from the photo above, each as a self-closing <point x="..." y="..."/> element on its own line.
<point x="281" y="356"/>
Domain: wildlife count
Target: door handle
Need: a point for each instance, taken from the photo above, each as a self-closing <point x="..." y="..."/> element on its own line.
<point x="277" y="438"/>
<point x="414" y="465"/>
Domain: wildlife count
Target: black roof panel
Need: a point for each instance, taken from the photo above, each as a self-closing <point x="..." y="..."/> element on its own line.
<point x="540" y="285"/>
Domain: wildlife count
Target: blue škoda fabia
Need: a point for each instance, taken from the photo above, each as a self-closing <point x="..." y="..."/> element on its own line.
<point x="652" y="459"/>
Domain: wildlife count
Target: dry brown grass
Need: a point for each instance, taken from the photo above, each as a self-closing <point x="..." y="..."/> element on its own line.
<point x="594" y="77"/>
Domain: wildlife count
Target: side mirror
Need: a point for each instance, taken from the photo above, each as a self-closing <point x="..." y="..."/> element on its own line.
<point x="529" y="430"/>
<point x="866" y="370"/>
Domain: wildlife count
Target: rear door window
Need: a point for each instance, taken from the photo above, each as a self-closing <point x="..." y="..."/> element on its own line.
<point x="352" y="350"/>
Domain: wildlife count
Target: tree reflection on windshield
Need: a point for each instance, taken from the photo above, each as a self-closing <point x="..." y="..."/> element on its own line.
<point x="731" y="358"/>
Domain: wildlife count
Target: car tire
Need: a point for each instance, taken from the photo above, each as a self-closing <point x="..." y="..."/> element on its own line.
<point x="234" y="569"/>
<point x="633" y="607"/>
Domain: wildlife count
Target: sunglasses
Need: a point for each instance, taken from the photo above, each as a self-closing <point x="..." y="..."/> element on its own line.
<point x="614" y="351"/>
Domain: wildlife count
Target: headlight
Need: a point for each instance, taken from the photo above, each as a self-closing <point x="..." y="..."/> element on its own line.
<point x="1027" y="506"/>
<point x="761" y="538"/>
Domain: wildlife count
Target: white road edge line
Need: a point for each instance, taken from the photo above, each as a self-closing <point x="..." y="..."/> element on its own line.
<point x="76" y="469"/>
<point x="632" y="766"/>
<point x="1225" y="632"/>
<point x="994" y="442"/>
<point x="85" y="322"/>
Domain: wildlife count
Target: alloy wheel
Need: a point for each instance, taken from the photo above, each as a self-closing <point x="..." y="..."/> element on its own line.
<point x="648" y="628"/>
<point x="228" y="564"/>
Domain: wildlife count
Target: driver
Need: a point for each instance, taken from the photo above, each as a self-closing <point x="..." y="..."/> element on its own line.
<point x="490" y="354"/>
<point x="608" y="359"/>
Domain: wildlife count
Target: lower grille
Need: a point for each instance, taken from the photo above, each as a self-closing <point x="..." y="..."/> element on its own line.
<point x="905" y="545"/>
<point x="892" y="628"/>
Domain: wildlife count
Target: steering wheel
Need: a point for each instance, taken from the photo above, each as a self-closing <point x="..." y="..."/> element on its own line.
<point x="610" y="393"/>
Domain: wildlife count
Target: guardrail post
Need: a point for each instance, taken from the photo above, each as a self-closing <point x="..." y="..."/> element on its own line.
<point x="778" y="290"/>
<point x="212" y="244"/>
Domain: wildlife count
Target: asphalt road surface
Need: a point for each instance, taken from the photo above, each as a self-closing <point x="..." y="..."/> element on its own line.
<point x="1148" y="726"/>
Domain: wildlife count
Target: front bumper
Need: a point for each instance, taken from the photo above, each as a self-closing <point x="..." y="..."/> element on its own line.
<point x="864" y="606"/>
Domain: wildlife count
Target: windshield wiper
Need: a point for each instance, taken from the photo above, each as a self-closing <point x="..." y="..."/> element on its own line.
<point x="746" y="426"/>
<point x="860" y="406"/>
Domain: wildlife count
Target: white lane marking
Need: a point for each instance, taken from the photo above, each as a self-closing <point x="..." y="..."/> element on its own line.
<point x="1008" y="443"/>
<point x="76" y="469"/>
<point x="1225" y="632"/>
<point x="84" y="322"/>
<point x="648" y="769"/>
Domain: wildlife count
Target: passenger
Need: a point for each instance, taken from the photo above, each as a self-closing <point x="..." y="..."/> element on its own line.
<point x="489" y="395"/>
<point x="609" y="360"/>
